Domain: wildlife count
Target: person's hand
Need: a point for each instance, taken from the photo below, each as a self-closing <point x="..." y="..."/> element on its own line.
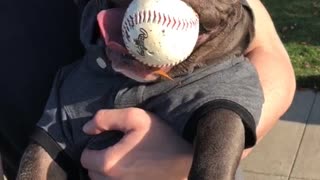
<point x="246" y="152"/>
<point x="150" y="149"/>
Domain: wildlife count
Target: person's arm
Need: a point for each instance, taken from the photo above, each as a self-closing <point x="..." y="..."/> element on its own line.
<point x="272" y="62"/>
<point x="277" y="78"/>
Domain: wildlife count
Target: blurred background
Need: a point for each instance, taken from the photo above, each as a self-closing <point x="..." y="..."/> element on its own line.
<point x="298" y="24"/>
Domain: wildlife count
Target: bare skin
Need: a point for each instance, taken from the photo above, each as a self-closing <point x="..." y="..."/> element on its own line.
<point x="267" y="53"/>
<point x="171" y="162"/>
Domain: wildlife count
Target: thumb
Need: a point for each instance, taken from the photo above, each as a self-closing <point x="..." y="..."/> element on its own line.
<point x="92" y="128"/>
<point x="103" y="161"/>
<point x="124" y="120"/>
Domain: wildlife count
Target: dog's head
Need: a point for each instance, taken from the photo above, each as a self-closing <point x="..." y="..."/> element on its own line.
<point x="225" y="30"/>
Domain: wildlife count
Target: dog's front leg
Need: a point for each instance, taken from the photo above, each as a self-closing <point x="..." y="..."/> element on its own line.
<point x="36" y="164"/>
<point x="219" y="143"/>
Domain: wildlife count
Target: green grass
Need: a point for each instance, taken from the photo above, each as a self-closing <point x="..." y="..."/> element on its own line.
<point x="298" y="24"/>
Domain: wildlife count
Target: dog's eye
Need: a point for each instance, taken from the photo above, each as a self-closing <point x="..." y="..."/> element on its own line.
<point x="202" y="30"/>
<point x="128" y="56"/>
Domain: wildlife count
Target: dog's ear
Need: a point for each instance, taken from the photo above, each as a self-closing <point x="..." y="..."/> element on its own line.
<point x="110" y="28"/>
<point x="227" y="30"/>
<point x="215" y="13"/>
<point x="250" y="23"/>
<point x="109" y="24"/>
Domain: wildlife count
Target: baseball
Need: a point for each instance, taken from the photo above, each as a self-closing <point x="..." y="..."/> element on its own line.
<point x="160" y="32"/>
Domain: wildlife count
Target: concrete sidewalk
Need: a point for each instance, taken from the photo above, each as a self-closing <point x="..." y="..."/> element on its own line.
<point x="291" y="151"/>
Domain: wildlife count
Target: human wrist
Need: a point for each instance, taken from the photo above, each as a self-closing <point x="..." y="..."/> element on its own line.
<point x="184" y="165"/>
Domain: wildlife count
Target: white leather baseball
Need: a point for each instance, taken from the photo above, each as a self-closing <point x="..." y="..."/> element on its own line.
<point x="160" y="32"/>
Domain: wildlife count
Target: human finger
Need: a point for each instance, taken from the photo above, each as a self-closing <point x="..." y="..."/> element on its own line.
<point x="97" y="176"/>
<point x="117" y="119"/>
<point x="104" y="160"/>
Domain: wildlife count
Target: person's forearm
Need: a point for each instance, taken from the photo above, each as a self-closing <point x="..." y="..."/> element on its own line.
<point x="278" y="83"/>
<point x="272" y="62"/>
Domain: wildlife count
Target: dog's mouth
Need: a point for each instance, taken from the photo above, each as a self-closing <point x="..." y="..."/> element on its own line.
<point x="110" y="22"/>
<point x="110" y="26"/>
<point x="127" y="65"/>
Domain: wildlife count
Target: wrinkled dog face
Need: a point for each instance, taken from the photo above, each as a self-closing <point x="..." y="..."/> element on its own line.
<point x="110" y="21"/>
<point x="121" y="3"/>
<point x="217" y="19"/>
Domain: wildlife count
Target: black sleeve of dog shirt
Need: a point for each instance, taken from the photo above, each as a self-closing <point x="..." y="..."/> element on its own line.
<point x="190" y="129"/>
<point x="73" y="168"/>
<point x="248" y="120"/>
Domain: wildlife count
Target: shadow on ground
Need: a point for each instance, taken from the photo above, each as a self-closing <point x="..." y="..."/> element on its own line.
<point x="305" y="108"/>
<point x="309" y="82"/>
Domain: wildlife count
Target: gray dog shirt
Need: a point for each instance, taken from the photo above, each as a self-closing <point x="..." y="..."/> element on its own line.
<point x="84" y="88"/>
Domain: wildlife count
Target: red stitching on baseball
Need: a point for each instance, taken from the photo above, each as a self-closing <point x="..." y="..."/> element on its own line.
<point x="131" y="21"/>
<point x="144" y="16"/>
<point x="154" y="16"/>
<point x="169" y="21"/>
<point x="159" y="15"/>
<point x="174" y="23"/>
<point x="147" y="16"/>
<point x="187" y="24"/>
<point x="136" y="18"/>
<point x="140" y="17"/>
<point x="183" y="24"/>
<point x="179" y="23"/>
<point x="164" y="19"/>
